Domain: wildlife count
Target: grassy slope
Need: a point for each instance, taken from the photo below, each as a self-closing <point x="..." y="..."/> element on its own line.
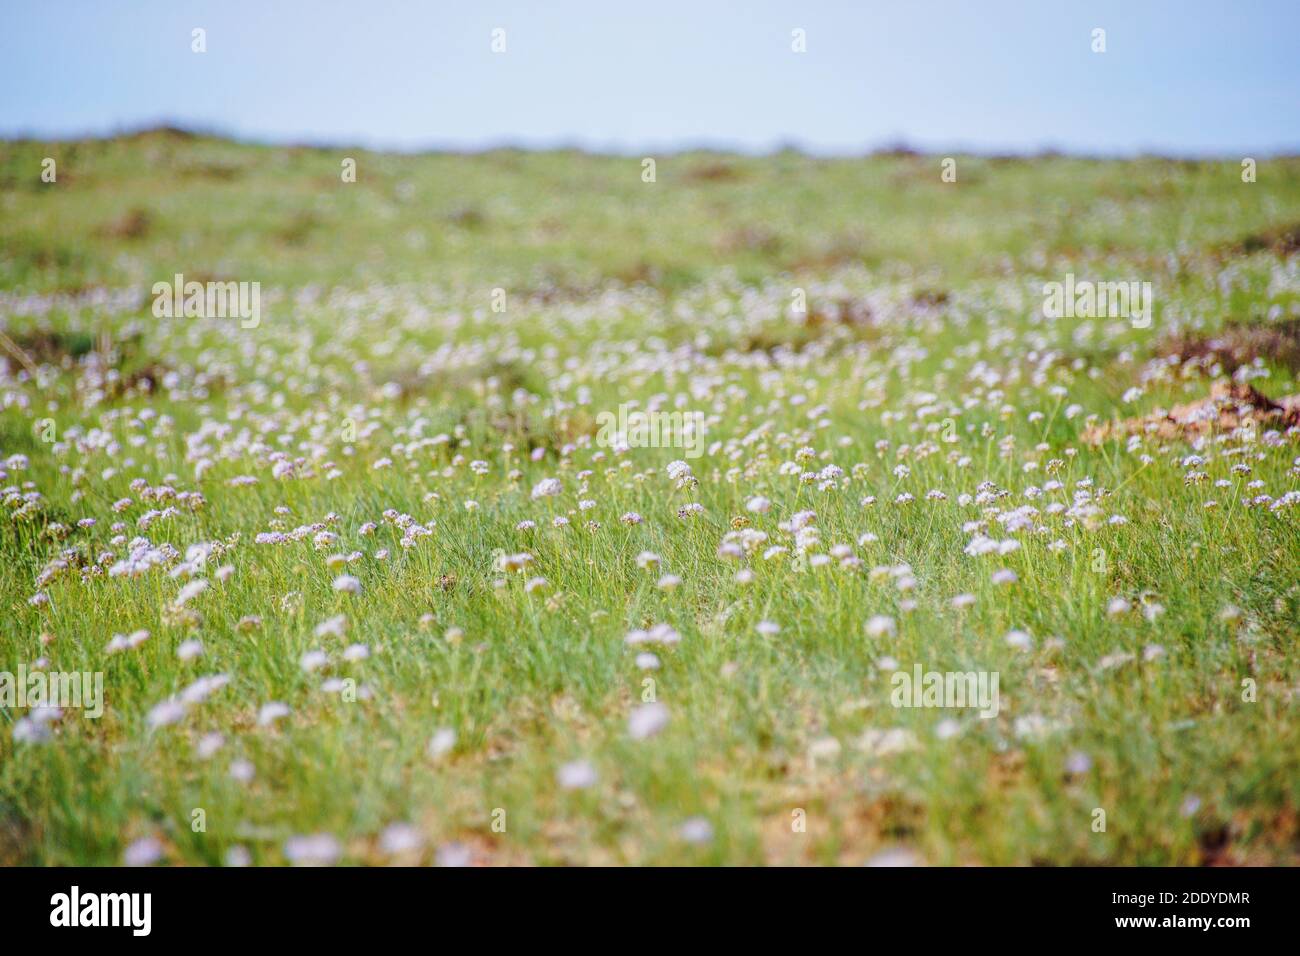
<point x="623" y="290"/>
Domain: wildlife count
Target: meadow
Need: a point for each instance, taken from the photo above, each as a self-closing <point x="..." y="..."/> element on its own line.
<point x="374" y="581"/>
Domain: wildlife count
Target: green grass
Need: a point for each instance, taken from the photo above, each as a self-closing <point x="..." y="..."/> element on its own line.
<point x="378" y="336"/>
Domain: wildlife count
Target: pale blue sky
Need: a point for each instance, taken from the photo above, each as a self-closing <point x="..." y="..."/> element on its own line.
<point x="1179" y="76"/>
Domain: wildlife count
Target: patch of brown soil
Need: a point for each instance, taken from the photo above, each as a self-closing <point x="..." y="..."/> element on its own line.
<point x="715" y="172"/>
<point x="468" y="217"/>
<point x="222" y="172"/>
<point x="930" y="298"/>
<point x="146" y="379"/>
<point x="843" y="311"/>
<point x="39" y="346"/>
<point x="1239" y="345"/>
<point x="1283" y="240"/>
<point x="750" y="239"/>
<point x="133" y="224"/>
<point x="298" y="228"/>
<point x="1229" y="406"/>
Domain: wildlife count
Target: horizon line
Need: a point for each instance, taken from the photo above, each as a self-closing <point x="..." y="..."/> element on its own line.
<point x="893" y="146"/>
